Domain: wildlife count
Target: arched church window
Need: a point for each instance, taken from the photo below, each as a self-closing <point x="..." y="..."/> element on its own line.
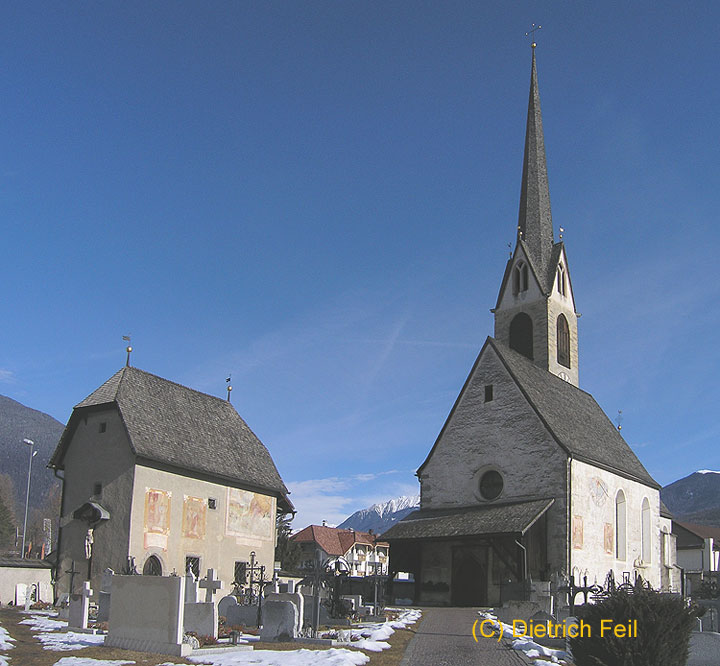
<point x="646" y="534"/>
<point x="491" y="484"/>
<point x="563" y="341"/>
<point x="561" y="282"/>
<point x="520" y="278"/>
<point x="521" y="335"/>
<point x="153" y="566"/>
<point x="620" y="525"/>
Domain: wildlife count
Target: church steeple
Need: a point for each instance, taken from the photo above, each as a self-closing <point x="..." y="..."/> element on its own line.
<point x="535" y="311"/>
<point x="535" y="218"/>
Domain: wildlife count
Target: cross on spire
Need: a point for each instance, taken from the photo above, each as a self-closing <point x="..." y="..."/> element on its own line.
<point x="531" y="33"/>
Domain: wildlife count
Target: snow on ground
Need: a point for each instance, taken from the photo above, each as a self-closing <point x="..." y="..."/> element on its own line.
<point x="4" y="660"/>
<point x="531" y="649"/>
<point x="373" y="636"/>
<point x="6" y="640"/>
<point x="71" y="640"/>
<point x="40" y="621"/>
<point x="86" y="661"/>
<point x="332" y="657"/>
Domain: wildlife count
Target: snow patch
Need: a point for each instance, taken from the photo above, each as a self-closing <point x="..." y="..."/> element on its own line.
<point x="87" y="661"/>
<point x="707" y="471"/>
<point x="71" y="640"/>
<point x="332" y="657"/>
<point x="43" y="622"/>
<point x="6" y="640"/>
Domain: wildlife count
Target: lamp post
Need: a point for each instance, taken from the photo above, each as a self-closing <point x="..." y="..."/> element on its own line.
<point x="33" y="453"/>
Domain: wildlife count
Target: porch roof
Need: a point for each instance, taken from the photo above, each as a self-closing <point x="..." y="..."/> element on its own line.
<point x="492" y="519"/>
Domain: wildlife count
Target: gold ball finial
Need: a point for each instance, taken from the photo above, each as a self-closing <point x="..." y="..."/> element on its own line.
<point x="534" y="44"/>
<point x="128" y="349"/>
<point x="229" y="389"/>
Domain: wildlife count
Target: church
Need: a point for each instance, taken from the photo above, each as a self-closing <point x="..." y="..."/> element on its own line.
<point x="528" y="478"/>
<point x="161" y="478"/>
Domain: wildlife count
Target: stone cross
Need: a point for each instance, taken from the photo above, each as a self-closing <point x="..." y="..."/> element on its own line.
<point x="79" y="607"/>
<point x="211" y="585"/>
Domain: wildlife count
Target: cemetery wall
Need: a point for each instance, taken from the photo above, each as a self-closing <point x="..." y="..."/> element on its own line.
<point x="12" y="576"/>
<point x="96" y="457"/>
<point x="172" y="519"/>
<point x="506" y="435"/>
<point x="594" y="529"/>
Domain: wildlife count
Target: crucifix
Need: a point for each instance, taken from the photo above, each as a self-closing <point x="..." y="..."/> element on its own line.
<point x="210" y="584"/>
<point x="72" y="571"/>
<point x="531" y="33"/>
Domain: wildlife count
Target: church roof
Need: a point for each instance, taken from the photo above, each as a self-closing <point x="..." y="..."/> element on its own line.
<point x="573" y="417"/>
<point x="174" y="425"/>
<point x="535" y="217"/>
<point x="489" y="519"/>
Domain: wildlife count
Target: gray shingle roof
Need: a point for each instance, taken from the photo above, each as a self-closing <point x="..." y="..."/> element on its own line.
<point x="513" y="518"/>
<point x="573" y="417"/>
<point x="175" y="425"/>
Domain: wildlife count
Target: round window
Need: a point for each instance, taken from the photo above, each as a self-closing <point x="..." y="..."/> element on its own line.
<point x="491" y="484"/>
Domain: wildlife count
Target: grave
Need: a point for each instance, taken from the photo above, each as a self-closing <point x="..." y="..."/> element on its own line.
<point x="79" y="608"/>
<point x="191" y="588"/>
<point x="235" y="614"/>
<point x="201" y="618"/>
<point x="296" y="599"/>
<point x="103" y="614"/>
<point x="280" y="621"/>
<point x="147" y="614"/>
<point x="211" y="585"/>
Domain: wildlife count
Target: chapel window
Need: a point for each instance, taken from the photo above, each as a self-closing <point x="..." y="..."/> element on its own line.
<point x="620" y="525"/>
<point x="488" y="392"/>
<point x="102" y="427"/>
<point x="491" y="484"/>
<point x="521" y="335"/>
<point x="563" y="341"/>
<point x="646" y="533"/>
<point x="153" y="566"/>
<point x="520" y="278"/>
<point x="192" y="563"/>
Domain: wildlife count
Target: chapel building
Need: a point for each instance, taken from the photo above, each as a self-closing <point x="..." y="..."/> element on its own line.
<point x="165" y="477"/>
<point x="528" y="478"/>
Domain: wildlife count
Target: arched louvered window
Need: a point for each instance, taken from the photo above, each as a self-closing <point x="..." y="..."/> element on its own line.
<point x="153" y="567"/>
<point x="521" y="335"/>
<point x="646" y="533"/>
<point x="620" y="525"/>
<point x="563" y="341"/>
<point x="520" y="278"/>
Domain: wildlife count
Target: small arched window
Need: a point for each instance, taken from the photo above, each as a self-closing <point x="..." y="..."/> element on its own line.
<point x="646" y="533"/>
<point x="521" y="335"/>
<point x="153" y="567"/>
<point x="620" y="525"/>
<point x="561" y="282"/>
<point x="520" y="278"/>
<point x="563" y="341"/>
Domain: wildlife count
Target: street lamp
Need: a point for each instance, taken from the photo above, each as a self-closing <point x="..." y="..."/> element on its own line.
<point x="33" y="453"/>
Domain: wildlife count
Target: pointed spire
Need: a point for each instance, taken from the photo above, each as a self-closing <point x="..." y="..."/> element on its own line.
<point x="535" y="218"/>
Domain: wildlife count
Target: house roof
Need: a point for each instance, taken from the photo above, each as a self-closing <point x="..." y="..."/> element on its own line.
<point x="571" y="415"/>
<point x="490" y="519"/>
<point x="335" y="541"/>
<point x="174" y="425"/>
<point x="701" y="531"/>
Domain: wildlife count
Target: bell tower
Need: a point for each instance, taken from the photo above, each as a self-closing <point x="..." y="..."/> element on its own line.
<point x="535" y="312"/>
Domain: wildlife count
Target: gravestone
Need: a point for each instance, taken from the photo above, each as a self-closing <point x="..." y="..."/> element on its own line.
<point x="79" y="608"/>
<point x="202" y="619"/>
<point x="103" y="614"/>
<point x="211" y="585"/>
<point x="29" y="596"/>
<point x="147" y="614"/>
<point x="280" y="619"/>
<point x="294" y="598"/>
<point x="235" y="614"/>
<point x="191" y="588"/>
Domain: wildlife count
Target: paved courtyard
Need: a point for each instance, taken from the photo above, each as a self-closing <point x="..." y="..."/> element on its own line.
<point x="444" y="638"/>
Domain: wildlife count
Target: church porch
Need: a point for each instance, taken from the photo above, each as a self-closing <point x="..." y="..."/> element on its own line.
<point x="472" y="556"/>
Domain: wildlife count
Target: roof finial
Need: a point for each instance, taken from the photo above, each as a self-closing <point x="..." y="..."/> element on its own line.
<point x="229" y="387"/>
<point x="530" y="33"/>
<point x="128" y="349"/>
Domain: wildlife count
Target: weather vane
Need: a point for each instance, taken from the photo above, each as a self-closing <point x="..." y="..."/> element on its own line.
<point x="229" y="386"/>
<point x="531" y="33"/>
<point x="128" y="349"/>
<point x="619" y="419"/>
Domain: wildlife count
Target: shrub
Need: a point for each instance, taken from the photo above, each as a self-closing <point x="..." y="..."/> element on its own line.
<point x="664" y="623"/>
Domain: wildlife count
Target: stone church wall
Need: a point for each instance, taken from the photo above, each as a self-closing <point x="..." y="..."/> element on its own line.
<point x="593" y="525"/>
<point x="504" y="434"/>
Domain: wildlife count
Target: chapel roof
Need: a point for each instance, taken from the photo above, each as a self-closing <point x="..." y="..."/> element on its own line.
<point x="175" y="425"/>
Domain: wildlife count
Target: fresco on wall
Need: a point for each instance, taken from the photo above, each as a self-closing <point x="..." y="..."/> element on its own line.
<point x="577" y="532"/>
<point x="249" y="514"/>
<point x="157" y="518"/>
<point x="608" y="538"/>
<point x="194" y="515"/>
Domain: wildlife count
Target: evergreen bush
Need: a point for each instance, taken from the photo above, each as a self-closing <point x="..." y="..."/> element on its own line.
<point x="664" y="623"/>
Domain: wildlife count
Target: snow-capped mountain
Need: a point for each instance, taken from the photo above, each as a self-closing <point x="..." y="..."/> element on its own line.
<point x="379" y="517"/>
<point x="696" y="498"/>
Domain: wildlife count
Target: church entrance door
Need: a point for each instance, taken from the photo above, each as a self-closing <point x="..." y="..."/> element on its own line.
<point x="469" y="576"/>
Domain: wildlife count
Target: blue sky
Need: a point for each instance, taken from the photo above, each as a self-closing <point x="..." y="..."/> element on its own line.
<point x="317" y="198"/>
